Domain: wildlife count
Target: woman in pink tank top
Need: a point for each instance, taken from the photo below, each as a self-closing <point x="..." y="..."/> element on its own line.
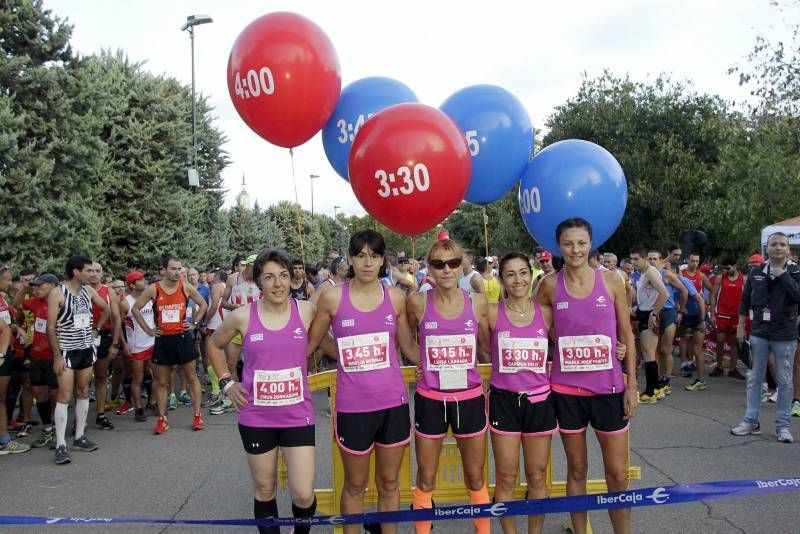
<point x="273" y="399"/>
<point x="590" y="312"/>
<point x="453" y="336"/>
<point x="521" y="411"/>
<point x="368" y="321"/>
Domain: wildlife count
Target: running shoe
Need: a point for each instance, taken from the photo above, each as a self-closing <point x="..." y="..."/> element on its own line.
<point x="691" y="366"/>
<point x="62" y="455"/>
<point x="686" y="371"/>
<point x="13" y="447"/>
<point x="225" y="407"/>
<point x="796" y="408"/>
<point x="659" y="393"/>
<point x="84" y="444"/>
<point x="126" y="407"/>
<point x="644" y="398"/>
<point x="197" y="422"/>
<point x="185" y="399"/>
<point x="161" y="425"/>
<point x="745" y="429"/>
<point x="717" y="371"/>
<point x="773" y="398"/>
<point x="103" y="423"/>
<point x="212" y="400"/>
<point x="45" y="438"/>
<point x="139" y="416"/>
<point x="24" y="430"/>
<point x="172" y="403"/>
<point x="698" y="385"/>
<point x="15" y="425"/>
<point x="784" y="436"/>
<point x="734" y="373"/>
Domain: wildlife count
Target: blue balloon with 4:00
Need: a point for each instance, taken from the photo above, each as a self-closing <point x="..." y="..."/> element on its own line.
<point x="357" y="103"/>
<point x="500" y="138"/>
<point x="572" y="178"/>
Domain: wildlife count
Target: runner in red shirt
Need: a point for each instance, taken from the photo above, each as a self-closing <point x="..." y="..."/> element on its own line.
<point x="725" y="298"/>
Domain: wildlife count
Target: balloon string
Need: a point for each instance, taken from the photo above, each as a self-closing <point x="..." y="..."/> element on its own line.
<point x="486" y="230"/>
<point x="298" y="215"/>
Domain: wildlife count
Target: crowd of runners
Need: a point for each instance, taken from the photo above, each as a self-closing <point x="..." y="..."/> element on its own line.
<point x="564" y="333"/>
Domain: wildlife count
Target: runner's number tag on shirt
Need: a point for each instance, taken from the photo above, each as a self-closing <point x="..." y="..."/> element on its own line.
<point x="452" y="352"/>
<point x="40" y="325"/>
<point x="82" y="319"/>
<point x="523" y="354"/>
<point x="170" y="316"/>
<point x="585" y="353"/>
<point x="278" y="388"/>
<point x="364" y="352"/>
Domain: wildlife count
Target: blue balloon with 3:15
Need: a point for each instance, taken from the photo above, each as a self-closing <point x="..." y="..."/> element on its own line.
<point x="357" y="103"/>
<point x="500" y="138"/>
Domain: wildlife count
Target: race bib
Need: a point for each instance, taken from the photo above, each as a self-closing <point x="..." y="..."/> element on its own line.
<point x="170" y="316"/>
<point x="40" y="325"/>
<point x="82" y="320"/>
<point x="5" y="315"/>
<point x="447" y="353"/>
<point x="364" y="352"/>
<point x="278" y="388"/>
<point x="585" y="353"/>
<point x="522" y="354"/>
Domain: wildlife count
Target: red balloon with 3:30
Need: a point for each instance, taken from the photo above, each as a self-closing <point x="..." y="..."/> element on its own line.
<point x="410" y="167"/>
<point x="284" y="78"/>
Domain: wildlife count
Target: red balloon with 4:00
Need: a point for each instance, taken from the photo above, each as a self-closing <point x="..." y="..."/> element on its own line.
<point x="410" y="167"/>
<point x="284" y="78"/>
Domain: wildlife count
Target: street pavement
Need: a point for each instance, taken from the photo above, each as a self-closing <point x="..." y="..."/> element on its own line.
<point x="203" y="475"/>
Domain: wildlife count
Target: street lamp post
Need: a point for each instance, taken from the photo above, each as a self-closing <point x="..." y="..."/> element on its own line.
<point x="335" y="215"/>
<point x="312" y="177"/>
<point x="191" y="22"/>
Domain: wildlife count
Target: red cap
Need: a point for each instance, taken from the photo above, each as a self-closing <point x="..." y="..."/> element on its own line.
<point x="706" y="268"/>
<point x="443" y="234"/>
<point x="545" y="256"/>
<point x="755" y="258"/>
<point x="133" y="276"/>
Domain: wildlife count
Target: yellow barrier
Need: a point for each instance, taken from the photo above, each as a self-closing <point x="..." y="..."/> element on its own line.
<point x="450" y="487"/>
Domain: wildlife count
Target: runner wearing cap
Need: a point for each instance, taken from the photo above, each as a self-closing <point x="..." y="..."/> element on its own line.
<point x="590" y="385"/>
<point x="273" y="399"/>
<point x="7" y="445"/>
<point x="240" y="290"/>
<point x="43" y="379"/>
<point x="368" y="320"/>
<point x="174" y="345"/>
<point x="140" y="344"/>
<point x="725" y="298"/>
<point x="70" y="327"/>
<point x="546" y="264"/>
<point x="453" y="328"/>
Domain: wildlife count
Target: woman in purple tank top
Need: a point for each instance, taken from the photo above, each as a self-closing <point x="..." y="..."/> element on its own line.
<point x="368" y="321"/>
<point x="453" y="333"/>
<point x="521" y="410"/>
<point x="273" y="399"/>
<point x="590" y="312"/>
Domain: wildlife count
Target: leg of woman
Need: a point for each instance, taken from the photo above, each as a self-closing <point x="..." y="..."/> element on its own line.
<point x="356" y="478"/>
<point x="387" y="471"/>
<point x="263" y="470"/>
<point x="536" y="452"/>
<point x="473" y="458"/>
<point x="428" y="451"/>
<point x="300" y="468"/>
<point x="615" y="456"/>
<point x="506" y="464"/>
<point x="577" y="471"/>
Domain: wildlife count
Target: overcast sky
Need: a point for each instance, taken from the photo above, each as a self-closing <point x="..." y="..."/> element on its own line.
<point x="536" y="50"/>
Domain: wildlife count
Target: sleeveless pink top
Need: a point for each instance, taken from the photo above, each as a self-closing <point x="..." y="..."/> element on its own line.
<point x="274" y="374"/>
<point x="368" y="376"/>
<point x="586" y="338"/>
<point x="519" y="354"/>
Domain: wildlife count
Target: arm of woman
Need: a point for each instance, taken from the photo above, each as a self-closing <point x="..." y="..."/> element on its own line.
<point x="234" y="323"/>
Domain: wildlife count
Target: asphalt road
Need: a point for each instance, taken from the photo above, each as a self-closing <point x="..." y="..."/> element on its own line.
<point x="203" y="475"/>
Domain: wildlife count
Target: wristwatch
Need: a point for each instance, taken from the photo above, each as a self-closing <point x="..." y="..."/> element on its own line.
<point x="224" y="382"/>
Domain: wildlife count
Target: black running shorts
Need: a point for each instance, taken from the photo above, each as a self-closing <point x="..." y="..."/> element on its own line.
<point x="260" y="440"/>
<point x="576" y="412"/>
<point x="176" y="349"/>
<point x="358" y="433"/>
<point x="432" y="418"/>
<point x="513" y="413"/>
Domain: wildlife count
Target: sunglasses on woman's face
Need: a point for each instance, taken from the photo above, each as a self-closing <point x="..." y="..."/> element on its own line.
<point x="439" y="264"/>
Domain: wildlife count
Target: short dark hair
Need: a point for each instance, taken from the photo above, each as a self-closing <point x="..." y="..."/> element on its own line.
<point x="641" y="250"/>
<point x="728" y="260"/>
<point x="594" y="254"/>
<point x="168" y="258"/>
<point x="221" y="275"/>
<point x="574" y="222"/>
<point x="237" y="260"/>
<point x="674" y="246"/>
<point x="270" y="255"/>
<point x="481" y="264"/>
<point x="298" y="261"/>
<point x="76" y="262"/>
<point x="27" y="272"/>
<point x="312" y="270"/>
<point x="512" y="256"/>
<point x="660" y="255"/>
